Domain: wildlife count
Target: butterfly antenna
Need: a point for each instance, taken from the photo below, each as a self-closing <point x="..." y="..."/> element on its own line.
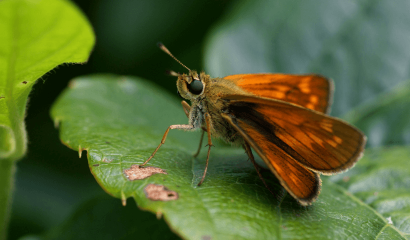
<point x="163" y="48"/>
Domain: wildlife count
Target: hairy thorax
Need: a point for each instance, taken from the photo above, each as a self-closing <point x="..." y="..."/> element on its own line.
<point x="220" y="128"/>
<point x="214" y="104"/>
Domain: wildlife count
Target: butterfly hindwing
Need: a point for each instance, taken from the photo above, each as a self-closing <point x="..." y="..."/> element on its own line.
<point x="309" y="91"/>
<point x="302" y="183"/>
<point x="317" y="141"/>
<point x="295" y="142"/>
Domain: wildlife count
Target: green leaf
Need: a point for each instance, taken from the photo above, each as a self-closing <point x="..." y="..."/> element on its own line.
<point x="120" y="223"/>
<point x="121" y="120"/>
<point x="36" y="36"/>
<point x="385" y="120"/>
<point x="382" y="181"/>
<point x="361" y="45"/>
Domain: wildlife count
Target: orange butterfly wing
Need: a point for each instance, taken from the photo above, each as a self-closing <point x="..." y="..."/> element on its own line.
<point x="309" y="91"/>
<point x="295" y="142"/>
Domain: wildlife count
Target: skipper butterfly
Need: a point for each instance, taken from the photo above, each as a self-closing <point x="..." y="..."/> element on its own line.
<point x="281" y="116"/>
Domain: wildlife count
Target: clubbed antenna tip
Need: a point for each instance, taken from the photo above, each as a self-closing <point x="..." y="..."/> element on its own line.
<point x="171" y="73"/>
<point x="163" y="48"/>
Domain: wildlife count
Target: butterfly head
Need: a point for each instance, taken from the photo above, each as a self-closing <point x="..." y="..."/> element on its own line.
<point x="190" y="86"/>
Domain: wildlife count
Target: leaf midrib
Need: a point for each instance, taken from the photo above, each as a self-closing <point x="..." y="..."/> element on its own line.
<point x="11" y="66"/>
<point x="15" y="120"/>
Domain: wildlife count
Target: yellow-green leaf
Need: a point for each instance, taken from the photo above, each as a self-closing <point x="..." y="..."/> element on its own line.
<point x="36" y="36"/>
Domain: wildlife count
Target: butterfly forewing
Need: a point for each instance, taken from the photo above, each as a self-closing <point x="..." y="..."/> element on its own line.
<point x="316" y="141"/>
<point x="309" y="91"/>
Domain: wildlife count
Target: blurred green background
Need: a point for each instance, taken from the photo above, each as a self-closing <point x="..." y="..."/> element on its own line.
<point x="51" y="180"/>
<point x="364" y="46"/>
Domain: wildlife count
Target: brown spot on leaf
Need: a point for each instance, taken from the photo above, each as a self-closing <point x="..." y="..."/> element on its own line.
<point x="96" y="165"/>
<point x="2" y="97"/>
<point x="137" y="173"/>
<point x="206" y="237"/>
<point x="159" y="193"/>
<point x="346" y="178"/>
<point x="107" y="142"/>
<point x="24" y="82"/>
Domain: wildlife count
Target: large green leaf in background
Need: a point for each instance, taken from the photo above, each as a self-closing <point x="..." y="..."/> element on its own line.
<point x="120" y="121"/>
<point x="35" y="37"/>
<point x="362" y="45"/>
<point x="386" y="119"/>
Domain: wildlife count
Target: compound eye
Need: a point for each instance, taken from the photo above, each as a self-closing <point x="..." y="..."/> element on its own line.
<point x="179" y="94"/>
<point x="195" y="87"/>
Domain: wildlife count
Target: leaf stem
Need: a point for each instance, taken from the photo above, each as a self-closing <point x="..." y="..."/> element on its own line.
<point x="7" y="172"/>
<point x="8" y="166"/>
<point x="18" y="128"/>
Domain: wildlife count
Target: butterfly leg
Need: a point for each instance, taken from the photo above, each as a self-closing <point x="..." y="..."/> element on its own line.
<point x="250" y="155"/>
<point x="187" y="109"/>
<point x="179" y="126"/>
<point x="200" y="144"/>
<point x="208" y="127"/>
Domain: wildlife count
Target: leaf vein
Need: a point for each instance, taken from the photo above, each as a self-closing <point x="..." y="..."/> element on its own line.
<point x="357" y="200"/>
